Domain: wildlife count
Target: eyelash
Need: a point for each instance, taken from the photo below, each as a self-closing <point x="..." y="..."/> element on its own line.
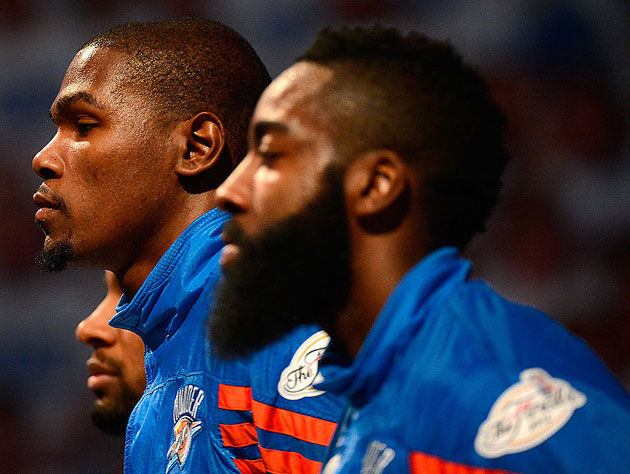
<point x="84" y="128"/>
<point x="268" y="157"/>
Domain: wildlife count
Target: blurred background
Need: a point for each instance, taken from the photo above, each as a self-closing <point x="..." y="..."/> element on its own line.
<point x="559" y="239"/>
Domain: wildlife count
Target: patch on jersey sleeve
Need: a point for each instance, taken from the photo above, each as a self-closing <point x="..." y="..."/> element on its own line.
<point x="186" y="425"/>
<point x="333" y="464"/>
<point x="296" y="381"/>
<point x="527" y="413"/>
<point x="377" y="458"/>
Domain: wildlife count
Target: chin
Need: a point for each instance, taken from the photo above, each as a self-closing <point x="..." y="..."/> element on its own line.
<point x="55" y="256"/>
<point x="109" y="419"/>
<point x="101" y="403"/>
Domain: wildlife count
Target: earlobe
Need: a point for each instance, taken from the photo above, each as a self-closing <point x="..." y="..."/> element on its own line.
<point x="205" y="142"/>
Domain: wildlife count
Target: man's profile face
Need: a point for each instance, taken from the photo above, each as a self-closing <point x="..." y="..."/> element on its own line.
<point x="103" y="170"/>
<point x="289" y="150"/>
<point x="116" y="365"/>
<point x="286" y="262"/>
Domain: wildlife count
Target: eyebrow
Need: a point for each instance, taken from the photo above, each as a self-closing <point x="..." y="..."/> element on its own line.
<point x="264" y="127"/>
<point x="62" y="105"/>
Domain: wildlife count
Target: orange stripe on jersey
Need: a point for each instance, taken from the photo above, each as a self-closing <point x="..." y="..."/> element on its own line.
<point x="237" y="436"/>
<point x="232" y="397"/>
<point x="285" y="462"/>
<point x="420" y="463"/>
<point x="302" y="427"/>
<point x="245" y="466"/>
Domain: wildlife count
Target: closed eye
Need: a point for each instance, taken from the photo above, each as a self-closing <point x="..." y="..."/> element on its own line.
<point x="84" y="127"/>
<point x="269" y="157"/>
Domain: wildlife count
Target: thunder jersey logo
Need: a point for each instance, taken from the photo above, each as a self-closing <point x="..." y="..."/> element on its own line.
<point x="187" y="402"/>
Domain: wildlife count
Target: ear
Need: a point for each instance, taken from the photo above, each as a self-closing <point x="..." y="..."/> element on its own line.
<point x="377" y="188"/>
<point x="376" y="180"/>
<point x="205" y="141"/>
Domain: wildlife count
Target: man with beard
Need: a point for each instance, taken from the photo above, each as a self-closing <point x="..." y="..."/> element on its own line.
<point x="116" y="365"/>
<point x="150" y="118"/>
<point x="372" y="163"/>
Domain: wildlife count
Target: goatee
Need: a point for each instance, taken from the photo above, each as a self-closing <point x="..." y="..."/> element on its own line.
<point x="55" y="258"/>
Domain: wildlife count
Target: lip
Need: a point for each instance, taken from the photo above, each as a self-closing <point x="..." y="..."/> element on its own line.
<point x="100" y="382"/>
<point x="225" y="237"/>
<point x="43" y="213"/>
<point x="43" y="201"/>
<point x="46" y="206"/>
<point x="96" y="367"/>
<point x="229" y="254"/>
<point x="100" y="376"/>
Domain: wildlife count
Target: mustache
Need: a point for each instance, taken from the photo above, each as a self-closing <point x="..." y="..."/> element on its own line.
<point x="233" y="233"/>
<point x="113" y="366"/>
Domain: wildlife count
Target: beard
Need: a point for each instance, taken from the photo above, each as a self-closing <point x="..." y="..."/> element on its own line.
<point x="112" y="418"/>
<point x="294" y="272"/>
<point x="55" y="258"/>
<point x="110" y="412"/>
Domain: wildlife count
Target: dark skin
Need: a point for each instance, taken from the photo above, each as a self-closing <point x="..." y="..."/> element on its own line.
<point x="120" y="186"/>
<point x="116" y="364"/>
<point x="374" y="185"/>
<point x="290" y="146"/>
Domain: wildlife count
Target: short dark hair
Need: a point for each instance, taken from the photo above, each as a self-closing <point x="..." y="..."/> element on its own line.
<point x="415" y="96"/>
<point x="190" y="65"/>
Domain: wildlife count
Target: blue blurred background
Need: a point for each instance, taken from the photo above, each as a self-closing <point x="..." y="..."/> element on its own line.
<point x="558" y="240"/>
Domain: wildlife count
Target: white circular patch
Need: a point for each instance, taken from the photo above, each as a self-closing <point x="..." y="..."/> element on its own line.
<point x="526" y="414"/>
<point x="296" y="381"/>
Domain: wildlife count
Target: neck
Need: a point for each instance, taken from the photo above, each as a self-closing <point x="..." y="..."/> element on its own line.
<point x="380" y="263"/>
<point x="151" y="249"/>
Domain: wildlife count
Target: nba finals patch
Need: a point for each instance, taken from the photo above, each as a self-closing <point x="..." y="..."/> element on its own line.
<point x="527" y="413"/>
<point x="296" y="381"/>
<point x="186" y="425"/>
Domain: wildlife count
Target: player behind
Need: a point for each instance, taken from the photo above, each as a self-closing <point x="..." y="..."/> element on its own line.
<point x="116" y="365"/>
<point x="150" y="118"/>
<point x="372" y="163"/>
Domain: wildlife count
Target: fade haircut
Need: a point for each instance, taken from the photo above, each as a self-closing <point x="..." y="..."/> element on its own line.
<point x="190" y="65"/>
<point x="415" y="96"/>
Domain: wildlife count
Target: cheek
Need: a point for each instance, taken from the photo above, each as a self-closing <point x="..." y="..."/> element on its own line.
<point x="133" y="349"/>
<point x="277" y="195"/>
<point x="92" y="166"/>
<point x="268" y="188"/>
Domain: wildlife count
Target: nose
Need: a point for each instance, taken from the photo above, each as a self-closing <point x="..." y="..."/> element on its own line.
<point x="95" y="330"/>
<point x="234" y="195"/>
<point x="47" y="164"/>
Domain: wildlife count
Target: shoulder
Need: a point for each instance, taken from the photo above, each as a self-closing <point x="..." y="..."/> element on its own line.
<point x="172" y="425"/>
<point x="487" y="379"/>
<point x="521" y="422"/>
<point x="510" y="337"/>
<point x="283" y="374"/>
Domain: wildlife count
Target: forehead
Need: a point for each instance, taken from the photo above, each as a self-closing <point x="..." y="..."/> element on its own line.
<point x="291" y="99"/>
<point x="93" y="65"/>
<point x="92" y="74"/>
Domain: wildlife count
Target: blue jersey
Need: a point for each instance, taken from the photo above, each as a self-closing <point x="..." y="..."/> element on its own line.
<point x="200" y="414"/>
<point x="453" y="378"/>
